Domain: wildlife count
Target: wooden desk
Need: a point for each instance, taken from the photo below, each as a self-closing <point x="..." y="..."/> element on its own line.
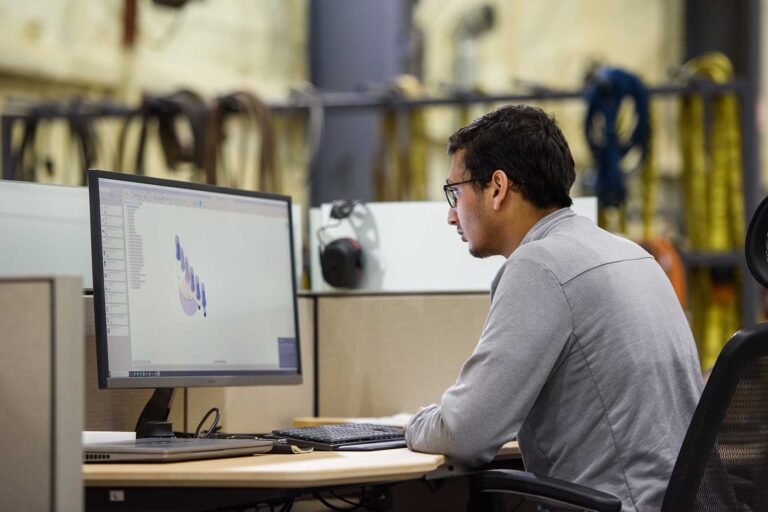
<point x="289" y="471"/>
<point x="217" y="479"/>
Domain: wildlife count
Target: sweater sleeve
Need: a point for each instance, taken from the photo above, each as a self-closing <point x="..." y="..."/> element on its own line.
<point x="527" y="328"/>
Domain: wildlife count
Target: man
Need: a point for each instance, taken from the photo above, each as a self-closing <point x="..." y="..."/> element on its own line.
<point x="586" y="355"/>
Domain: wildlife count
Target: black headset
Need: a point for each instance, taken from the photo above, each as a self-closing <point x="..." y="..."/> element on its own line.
<point x="341" y="260"/>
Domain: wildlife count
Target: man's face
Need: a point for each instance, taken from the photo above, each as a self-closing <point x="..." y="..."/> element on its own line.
<point x="470" y="215"/>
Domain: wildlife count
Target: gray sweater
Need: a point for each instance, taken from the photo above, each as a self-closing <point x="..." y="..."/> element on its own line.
<point x="586" y="356"/>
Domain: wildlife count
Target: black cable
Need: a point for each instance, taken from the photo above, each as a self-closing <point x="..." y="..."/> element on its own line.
<point x="433" y="485"/>
<point x="322" y="229"/>
<point x="287" y="506"/>
<point x="340" y="209"/>
<point x="519" y="503"/>
<point x="364" y="498"/>
<point x="348" y="502"/>
<point x="213" y="427"/>
<point x="333" y="507"/>
<point x="186" y="409"/>
<point x="260" y="506"/>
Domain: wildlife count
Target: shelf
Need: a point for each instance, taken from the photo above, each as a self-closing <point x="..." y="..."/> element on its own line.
<point x="712" y="259"/>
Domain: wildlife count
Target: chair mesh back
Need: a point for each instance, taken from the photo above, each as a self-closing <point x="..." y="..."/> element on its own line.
<point x="736" y="475"/>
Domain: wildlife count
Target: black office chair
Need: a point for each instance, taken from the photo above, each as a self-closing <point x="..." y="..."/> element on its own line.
<point x="723" y="462"/>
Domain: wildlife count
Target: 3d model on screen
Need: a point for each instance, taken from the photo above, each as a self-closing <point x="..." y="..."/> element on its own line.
<point x="191" y="290"/>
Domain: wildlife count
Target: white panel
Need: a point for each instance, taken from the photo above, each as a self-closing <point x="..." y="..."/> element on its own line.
<point x="409" y="247"/>
<point x="45" y="229"/>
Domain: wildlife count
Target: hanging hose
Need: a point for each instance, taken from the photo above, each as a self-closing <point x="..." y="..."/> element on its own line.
<point x="400" y="169"/>
<point x="714" y="204"/>
<point x="258" y="126"/>
<point x="648" y="190"/>
<point x="605" y="94"/>
<point x="385" y="186"/>
<point x="670" y="261"/>
<point x="167" y="112"/>
<point x="611" y="143"/>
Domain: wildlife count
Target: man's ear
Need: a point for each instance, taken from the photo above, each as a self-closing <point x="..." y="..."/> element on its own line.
<point x="500" y="183"/>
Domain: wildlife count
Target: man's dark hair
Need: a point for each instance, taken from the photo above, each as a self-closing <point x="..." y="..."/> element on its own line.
<point x="527" y="145"/>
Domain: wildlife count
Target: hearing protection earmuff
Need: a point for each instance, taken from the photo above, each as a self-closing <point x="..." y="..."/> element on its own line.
<point x="341" y="260"/>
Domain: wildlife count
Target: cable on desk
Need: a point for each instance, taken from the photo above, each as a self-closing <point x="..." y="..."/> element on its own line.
<point x="213" y="426"/>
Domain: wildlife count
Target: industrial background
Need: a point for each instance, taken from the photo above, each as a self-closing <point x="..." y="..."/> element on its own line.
<point x="327" y="99"/>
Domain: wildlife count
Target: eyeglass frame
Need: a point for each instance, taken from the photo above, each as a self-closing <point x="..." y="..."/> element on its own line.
<point x="450" y="193"/>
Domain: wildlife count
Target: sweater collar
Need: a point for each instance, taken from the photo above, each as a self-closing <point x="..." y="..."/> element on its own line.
<point x="546" y="224"/>
<point x="537" y="232"/>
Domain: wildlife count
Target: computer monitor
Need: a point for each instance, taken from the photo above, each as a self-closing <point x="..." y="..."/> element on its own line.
<point x="193" y="285"/>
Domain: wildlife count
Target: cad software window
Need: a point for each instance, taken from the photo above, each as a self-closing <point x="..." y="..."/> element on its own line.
<point x="196" y="282"/>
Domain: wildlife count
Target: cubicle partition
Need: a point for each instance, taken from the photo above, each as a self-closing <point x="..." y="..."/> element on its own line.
<point x="41" y="392"/>
<point x="380" y="355"/>
<point x="244" y="409"/>
<point x="375" y="355"/>
<point x="108" y="409"/>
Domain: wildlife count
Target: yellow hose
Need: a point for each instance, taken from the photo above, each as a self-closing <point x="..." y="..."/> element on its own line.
<point x="649" y="176"/>
<point x="714" y="204"/>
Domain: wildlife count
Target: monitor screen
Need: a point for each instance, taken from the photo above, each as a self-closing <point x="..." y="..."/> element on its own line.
<point x="193" y="285"/>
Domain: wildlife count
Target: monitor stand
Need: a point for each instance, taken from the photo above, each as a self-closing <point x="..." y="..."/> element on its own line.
<point x="157" y="408"/>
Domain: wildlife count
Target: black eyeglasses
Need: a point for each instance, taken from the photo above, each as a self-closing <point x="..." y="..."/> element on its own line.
<point x="450" y="191"/>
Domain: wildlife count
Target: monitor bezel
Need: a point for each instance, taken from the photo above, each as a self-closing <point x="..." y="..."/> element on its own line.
<point x="100" y="318"/>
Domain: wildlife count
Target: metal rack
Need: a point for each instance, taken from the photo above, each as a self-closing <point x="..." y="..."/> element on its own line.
<point x="389" y="100"/>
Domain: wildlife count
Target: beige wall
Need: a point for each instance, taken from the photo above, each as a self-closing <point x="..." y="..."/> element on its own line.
<point x="554" y="43"/>
<point x="52" y="49"/>
<point x="209" y="46"/>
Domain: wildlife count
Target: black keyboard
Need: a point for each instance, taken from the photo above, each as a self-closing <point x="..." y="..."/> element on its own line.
<point x="346" y="436"/>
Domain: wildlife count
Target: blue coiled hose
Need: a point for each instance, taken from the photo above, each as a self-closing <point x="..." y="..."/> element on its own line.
<point x="605" y="94"/>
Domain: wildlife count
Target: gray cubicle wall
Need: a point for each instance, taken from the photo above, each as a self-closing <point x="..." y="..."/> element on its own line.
<point x="380" y="355"/>
<point x="244" y="409"/>
<point x="41" y="391"/>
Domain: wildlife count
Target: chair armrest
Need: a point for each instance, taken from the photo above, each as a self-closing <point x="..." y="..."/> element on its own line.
<point x="546" y="490"/>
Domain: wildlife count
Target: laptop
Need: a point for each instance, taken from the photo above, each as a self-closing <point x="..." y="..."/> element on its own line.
<point x="155" y="449"/>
